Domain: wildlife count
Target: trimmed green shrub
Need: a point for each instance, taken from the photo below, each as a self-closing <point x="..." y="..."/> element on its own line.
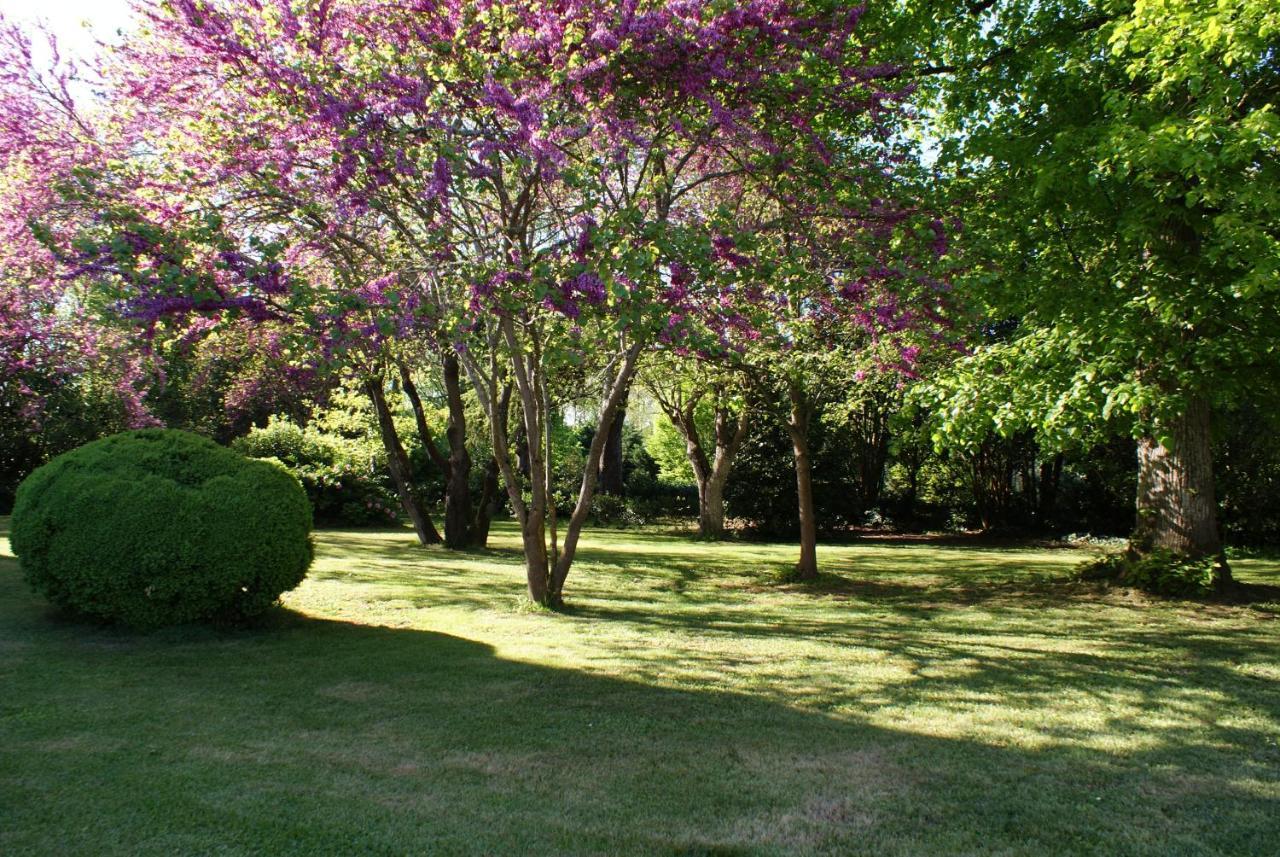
<point x="158" y="527"/>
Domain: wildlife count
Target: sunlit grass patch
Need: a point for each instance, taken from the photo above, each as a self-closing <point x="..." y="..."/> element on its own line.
<point x="922" y="699"/>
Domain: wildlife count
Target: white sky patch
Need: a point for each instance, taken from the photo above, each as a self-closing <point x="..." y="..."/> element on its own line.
<point x="78" y="25"/>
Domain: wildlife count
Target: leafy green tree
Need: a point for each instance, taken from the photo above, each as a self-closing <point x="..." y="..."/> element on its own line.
<point x="1115" y="164"/>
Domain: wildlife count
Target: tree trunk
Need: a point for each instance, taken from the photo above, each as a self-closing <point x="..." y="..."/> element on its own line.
<point x="487" y="508"/>
<point x="456" y="469"/>
<point x="398" y="464"/>
<point x="612" y="481"/>
<point x="798" y="426"/>
<point x="582" y="508"/>
<point x="1177" y="509"/>
<point x="711" y="507"/>
<point x="458" y="514"/>
<point x="1049" y="482"/>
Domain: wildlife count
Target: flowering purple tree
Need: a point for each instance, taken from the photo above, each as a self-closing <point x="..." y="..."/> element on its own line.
<point x="533" y="189"/>
<point x="50" y="332"/>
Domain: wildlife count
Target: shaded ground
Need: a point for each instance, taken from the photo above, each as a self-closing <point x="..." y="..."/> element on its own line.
<point x="923" y="698"/>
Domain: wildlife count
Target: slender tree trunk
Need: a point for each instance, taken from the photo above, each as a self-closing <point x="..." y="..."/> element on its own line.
<point x="487" y="508"/>
<point x="534" y="521"/>
<point x="1177" y="507"/>
<point x="682" y="417"/>
<point x="458" y="514"/>
<point x="1049" y="482"/>
<point x="612" y="481"/>
<point x="455" y="469"/>
<point x="798" y="426"/>
<point x="621" y="383"/>
<point x="398" y="464"/>
<point x="490" y="497"/>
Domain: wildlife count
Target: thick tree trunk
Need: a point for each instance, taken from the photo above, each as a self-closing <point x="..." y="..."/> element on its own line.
<point x="798" y="426"/>
<point x="711" y="507"/>
<point x="612" y="481"/>
<point x="729" y="436"/>
<point x="1177" y="508"/>
<point x="398" y="464"/>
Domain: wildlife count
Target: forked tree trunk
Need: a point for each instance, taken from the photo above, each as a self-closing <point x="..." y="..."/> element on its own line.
<point x="711" y="473"/>
<point x="608" y="412"/>
<point x="460" y="518"/>
<point x="398" y="464"/>
<point x="798" y="426"/>
<point x="1177" y="508"/>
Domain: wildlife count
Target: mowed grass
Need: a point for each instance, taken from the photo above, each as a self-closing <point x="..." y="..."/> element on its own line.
<point x="924" y="699"/>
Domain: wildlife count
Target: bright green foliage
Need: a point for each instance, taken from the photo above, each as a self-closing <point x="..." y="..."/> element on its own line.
<point x="157" y="527"/>
<point x="344" y="479"/>
<point x="1116" y="167"/>
<point x="667" y="448"/>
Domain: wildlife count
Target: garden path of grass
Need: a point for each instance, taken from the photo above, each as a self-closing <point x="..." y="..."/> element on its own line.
<point x="924" y="699"/>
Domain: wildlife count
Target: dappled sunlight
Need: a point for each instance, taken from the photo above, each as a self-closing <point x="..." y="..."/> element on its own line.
<point x="682" y="703"/>
<point x="987" y="644"/>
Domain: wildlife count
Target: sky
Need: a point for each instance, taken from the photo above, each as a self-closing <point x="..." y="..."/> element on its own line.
<point x="67" y="19"/>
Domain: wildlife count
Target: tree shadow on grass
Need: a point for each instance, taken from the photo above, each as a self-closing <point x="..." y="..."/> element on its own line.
<point x="313" y="736"/>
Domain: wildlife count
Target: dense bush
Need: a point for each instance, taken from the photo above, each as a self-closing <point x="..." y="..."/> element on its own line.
<point x="345" y="479"/>
<point x="1160" y="572"/>
<point x="158" y="527"/>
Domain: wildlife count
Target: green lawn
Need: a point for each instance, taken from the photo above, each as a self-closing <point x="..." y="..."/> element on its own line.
<point x="926" y="699"/>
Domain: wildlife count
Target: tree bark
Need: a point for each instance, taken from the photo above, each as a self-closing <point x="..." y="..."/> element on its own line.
<point x="711" y="509"/>
<point x="798" y="426"/>
<point x="710" y="473"/>
<point x="729" y="436"/>
<point x="612" y="481"/>
<point x="458" y="514"/>
<point x="1177" y="507"/>
<point x="491" y="498"/>
<point x="456" y="469"/>
<point x="398" y="464"/>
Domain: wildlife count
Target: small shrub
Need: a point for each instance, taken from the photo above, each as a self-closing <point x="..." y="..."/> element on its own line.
<point x="342" y="492"/>
<point x="288" y="443"/>
<point x="612" y="511"/>
<point x="158" y="527"/>
<point x="1160" y="572"/>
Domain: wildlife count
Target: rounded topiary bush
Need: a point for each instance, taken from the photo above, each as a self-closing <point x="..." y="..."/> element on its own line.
<point x="159" y="527"/>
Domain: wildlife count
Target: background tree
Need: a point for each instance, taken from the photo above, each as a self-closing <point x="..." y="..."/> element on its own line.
<point x="709" y="408"/>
